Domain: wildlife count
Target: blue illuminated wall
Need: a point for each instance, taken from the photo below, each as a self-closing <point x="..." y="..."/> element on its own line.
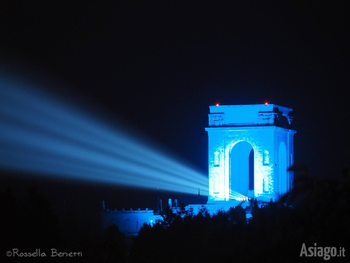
<point x="250" y="149"/>
<point x="128" y="221"/>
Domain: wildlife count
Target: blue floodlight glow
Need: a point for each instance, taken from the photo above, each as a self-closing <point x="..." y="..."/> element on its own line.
<point x="42" y="135"/>
<point x="249" y="152"/>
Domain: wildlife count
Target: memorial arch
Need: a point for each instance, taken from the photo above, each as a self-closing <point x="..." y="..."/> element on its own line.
<point x="250" y="148"/>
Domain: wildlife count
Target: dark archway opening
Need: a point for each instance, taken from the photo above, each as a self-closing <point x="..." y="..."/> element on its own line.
<point x="241" y="170"/>
<point x="251" y="170"/>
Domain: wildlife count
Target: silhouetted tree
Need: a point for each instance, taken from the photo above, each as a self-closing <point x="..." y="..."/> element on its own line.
<point x="314" y="211"/>
<point x="237" y="215"/>
<point x="30" y="223"/>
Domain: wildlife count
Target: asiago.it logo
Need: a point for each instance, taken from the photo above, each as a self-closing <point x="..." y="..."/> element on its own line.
<point x="324" y="252"/>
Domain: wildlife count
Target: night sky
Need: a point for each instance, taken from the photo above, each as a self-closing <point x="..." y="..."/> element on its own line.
<point x="157" y="66"/>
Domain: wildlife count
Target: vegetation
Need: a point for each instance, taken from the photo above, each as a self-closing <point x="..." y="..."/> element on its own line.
<point x="315" y="211"/>
<point x="30" y="224"/>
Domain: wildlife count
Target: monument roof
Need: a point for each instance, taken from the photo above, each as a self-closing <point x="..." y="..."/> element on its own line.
<point x="249" y="114"/>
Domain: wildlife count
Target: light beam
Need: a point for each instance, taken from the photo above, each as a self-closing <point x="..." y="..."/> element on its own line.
<point x="40" y="134"/>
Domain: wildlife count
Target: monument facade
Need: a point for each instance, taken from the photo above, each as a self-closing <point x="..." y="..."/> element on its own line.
<point x="249" y="151"/>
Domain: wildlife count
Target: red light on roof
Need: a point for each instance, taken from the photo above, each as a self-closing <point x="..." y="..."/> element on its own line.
<point x="266" y="103"/>
<point x="217" y="104"/>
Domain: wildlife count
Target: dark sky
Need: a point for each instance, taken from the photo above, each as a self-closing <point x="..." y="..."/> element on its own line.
<point x="159" y="65"/>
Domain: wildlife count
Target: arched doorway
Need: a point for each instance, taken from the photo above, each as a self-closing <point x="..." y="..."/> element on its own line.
<point x="282" y="168"/>
<point x="241" y="170"/>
